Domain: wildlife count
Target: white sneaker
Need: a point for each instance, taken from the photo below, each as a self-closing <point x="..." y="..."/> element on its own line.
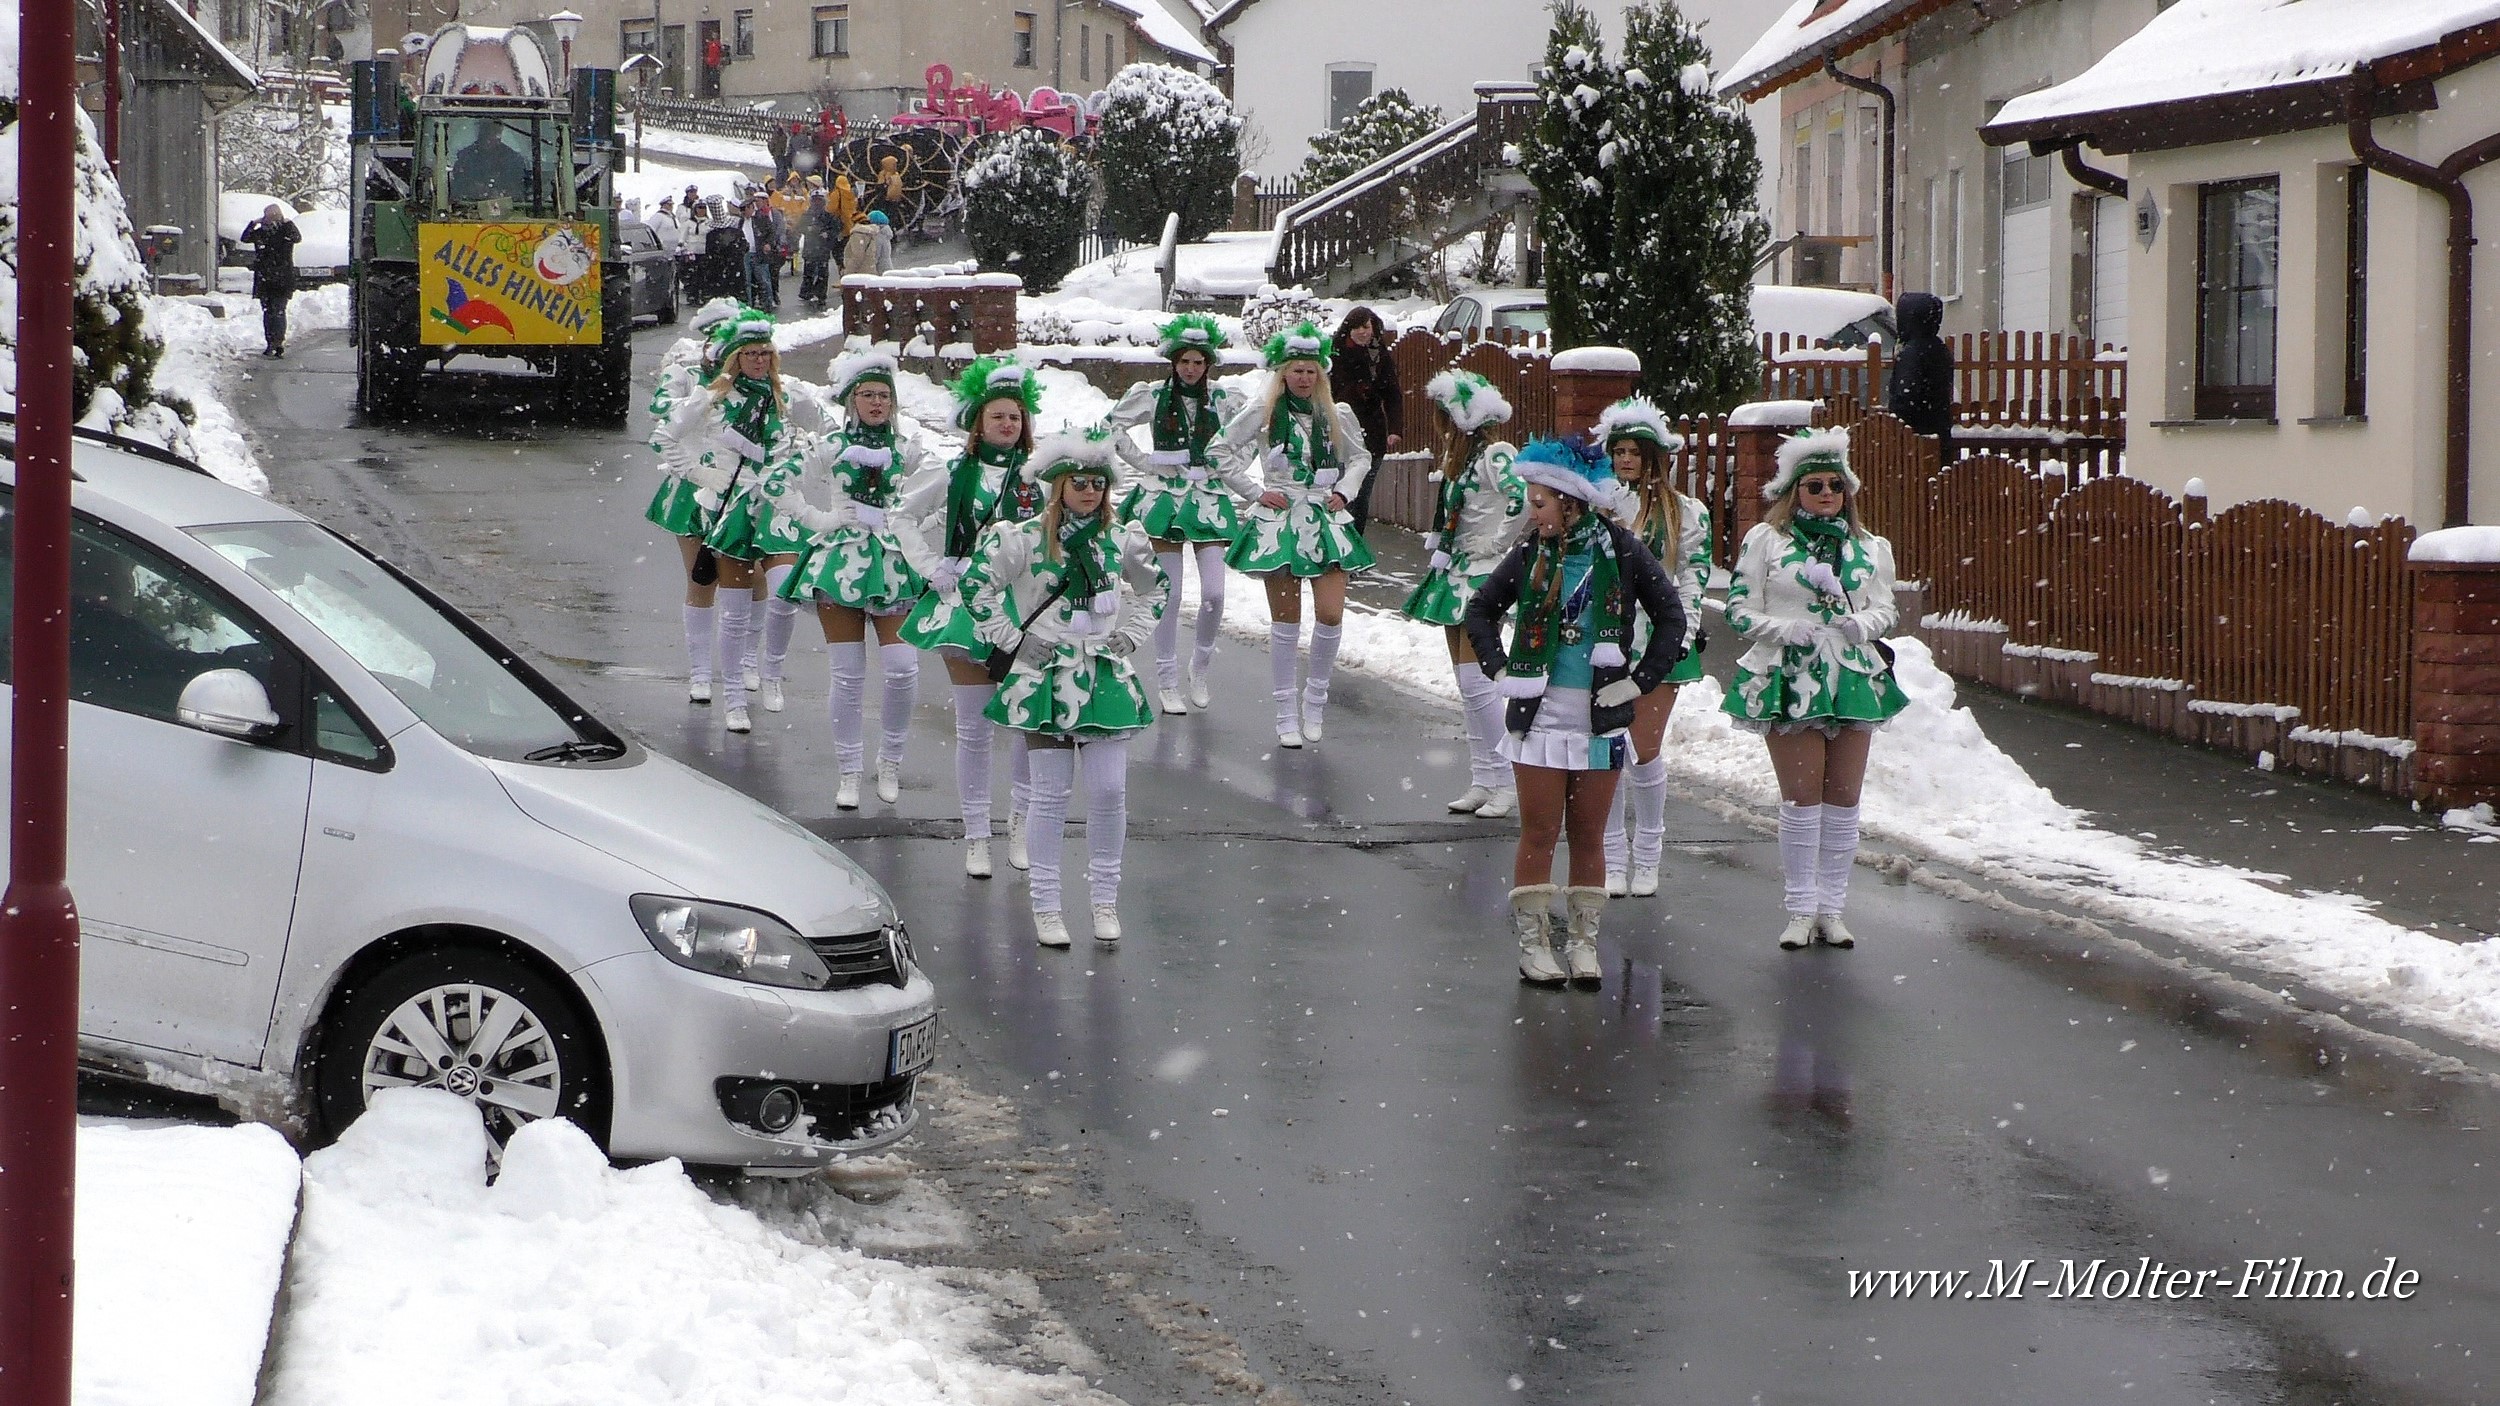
<point x="1505" y="802"/>
<point x="736" y="721"/>
<point x="1471" y="800"/>
<point x="1830" y="933"/>
<point x="977" y="858"/>
<point x="1106" y="925"/>
<point x="773" y="699"/>
<point x="698" y="690"/>
<point x="1798" y="933"/>
<point x="1312" y="714"/>
<point x="1050" y="930"/>
<point x="889" y="781"/>
<point x="846" y="795"/>
<point x="1170" y="698"/>
<point x="1644" y="880"/>
<point x="1618" y="883"/>
<point x="1288" y="738"/>
<point x="1201" y="693"/>
<point x="1017" y="854"/>
<point x="752" y="677"/>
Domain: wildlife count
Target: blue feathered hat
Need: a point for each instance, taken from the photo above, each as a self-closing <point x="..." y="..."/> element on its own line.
<point x="1570" y="467"/>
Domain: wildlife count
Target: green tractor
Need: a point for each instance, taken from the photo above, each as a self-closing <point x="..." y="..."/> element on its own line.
<point x="483" y="225"/>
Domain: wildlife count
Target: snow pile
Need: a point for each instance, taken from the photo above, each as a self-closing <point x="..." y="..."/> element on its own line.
<point x="181" y="1240"/>
<point x="201" y="348"/>
<point x="2478" y="820"/>
<point x="2470" y="546"/>
<point x="2207" y="48"/>
<point x="700" y="146"/>
<point x="1164" y="30"/>
<point x="1813" y="313"/>
<point x="570" y="1281"/>
<point x="1939" y="789"/>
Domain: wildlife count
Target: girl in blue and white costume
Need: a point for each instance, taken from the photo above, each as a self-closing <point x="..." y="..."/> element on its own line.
<point x="1184" y="491"/>
<point x="1310" y="454"/>
<point x="1676" y="529"/>
<point x="853" y="566"/>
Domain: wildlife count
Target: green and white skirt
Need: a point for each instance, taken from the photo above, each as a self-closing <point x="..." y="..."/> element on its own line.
<point x="1177" y="510"/>
<point x="1688" y="668"/>
<point x="1071" y="693"/>
<point x="938" y="620"/>
<point x="1810" y="689"/>
<point x="674" y="510"/>
<point x="1302" y="537"/>
<point x="855" y="567"/>
<point x="1441" y="597"/>
<point x="750" y="531"/>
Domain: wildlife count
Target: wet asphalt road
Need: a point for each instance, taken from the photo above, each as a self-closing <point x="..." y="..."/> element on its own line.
<point x="1311" y="1088"/>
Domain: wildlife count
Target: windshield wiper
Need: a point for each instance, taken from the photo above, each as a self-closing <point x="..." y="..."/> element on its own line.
<point x="577" y="751"/>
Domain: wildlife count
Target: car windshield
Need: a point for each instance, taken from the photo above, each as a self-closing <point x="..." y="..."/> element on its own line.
<point x="505" y="164"/>
<point x="1521" y="319"/>
<point x="445" y="674"/>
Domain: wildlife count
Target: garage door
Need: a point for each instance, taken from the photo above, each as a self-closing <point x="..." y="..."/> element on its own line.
<point x="2023" y="245"/>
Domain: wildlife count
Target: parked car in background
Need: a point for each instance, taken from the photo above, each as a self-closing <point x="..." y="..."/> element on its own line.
<point x="1835" y="315"/>
<point x="654" y="271"/>
<point x="321" y="256"/>
<point x="1494" y="313"/>
<point x="330" y="837"/>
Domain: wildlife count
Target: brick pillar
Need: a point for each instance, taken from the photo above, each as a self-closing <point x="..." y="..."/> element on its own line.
<point x="2456" y="672"/>
<point x="994" y="315"/>
<point x="1586" y="381"/>
<point x="857" y="320"/>
<point x="1758" y="429"/>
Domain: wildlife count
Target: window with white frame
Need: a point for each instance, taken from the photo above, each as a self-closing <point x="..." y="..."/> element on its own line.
<point x="832" y="26"/>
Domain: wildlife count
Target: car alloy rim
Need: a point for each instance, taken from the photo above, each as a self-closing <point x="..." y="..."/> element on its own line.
<point x="476" y="1043"/>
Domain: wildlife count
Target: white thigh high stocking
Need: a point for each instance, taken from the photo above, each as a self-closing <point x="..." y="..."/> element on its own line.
<point x="1211" y="573"/>
<point x="848" y="703"/>
<point x="1284" y="645"/>
<point x="780" y="618"/>
<point x="1168" y="629"/>
<point x="1054" y="775"/>
<point x="1324" y="639"/>
<point x="1801" y="842"/>
<point x="1483" y="704"/>
<point x="972" y="758"/>
<point x="736" y="615"/>
<point x="1649" y="812"/>
<point x="1106" y="815"/>
<point x="702" y="626"/>
<point x="900" y="664"/>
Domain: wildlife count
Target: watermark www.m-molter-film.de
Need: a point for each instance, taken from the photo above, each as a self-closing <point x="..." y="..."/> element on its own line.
<point x="2146" y="1279"/>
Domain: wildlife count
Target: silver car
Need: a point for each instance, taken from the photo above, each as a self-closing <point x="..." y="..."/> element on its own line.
<point x="329" y="837"/>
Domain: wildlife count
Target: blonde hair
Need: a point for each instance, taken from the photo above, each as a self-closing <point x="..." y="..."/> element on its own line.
<point x="1783" y="510"/>
<point x="727" y="380"/>
<point x="1053" y="512"/>
<point x="1323" y="402"/>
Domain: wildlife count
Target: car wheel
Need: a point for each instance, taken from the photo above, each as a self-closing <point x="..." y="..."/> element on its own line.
<point x="474" y="1023"/>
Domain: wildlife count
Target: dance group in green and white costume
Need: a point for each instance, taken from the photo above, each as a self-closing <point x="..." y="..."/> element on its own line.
<point x="1039" y="571"/>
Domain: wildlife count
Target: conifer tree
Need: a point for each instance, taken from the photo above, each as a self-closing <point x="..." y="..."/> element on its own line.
<point x="1569" y="158"/>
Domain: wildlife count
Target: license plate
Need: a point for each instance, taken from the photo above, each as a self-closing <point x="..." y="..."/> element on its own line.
<point x="913" y="1048"/>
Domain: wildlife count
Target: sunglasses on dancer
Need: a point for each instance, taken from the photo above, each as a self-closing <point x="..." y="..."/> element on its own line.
<point x="1820" y="485"/>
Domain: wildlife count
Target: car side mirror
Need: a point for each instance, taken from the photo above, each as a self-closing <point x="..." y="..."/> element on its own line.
<point x="229" y="703"/>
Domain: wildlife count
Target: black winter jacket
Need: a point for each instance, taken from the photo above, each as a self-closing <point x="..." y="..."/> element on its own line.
<point x="1920" y="388"/>
<point x="1651" y="588"/>
<point x="273" y="258"/>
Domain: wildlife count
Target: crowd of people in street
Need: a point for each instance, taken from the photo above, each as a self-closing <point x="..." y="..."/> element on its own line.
<point x="1566" y="574"/>
<point x="743" y="248"/>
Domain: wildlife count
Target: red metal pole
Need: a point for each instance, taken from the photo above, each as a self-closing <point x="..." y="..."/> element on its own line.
<point x="38" y="920"/>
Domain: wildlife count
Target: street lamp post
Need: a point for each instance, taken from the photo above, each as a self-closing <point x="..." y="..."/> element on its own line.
<point x="568" y="27"/>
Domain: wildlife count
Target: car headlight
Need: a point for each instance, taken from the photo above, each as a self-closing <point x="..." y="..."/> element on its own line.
<point x="722" y="940"/>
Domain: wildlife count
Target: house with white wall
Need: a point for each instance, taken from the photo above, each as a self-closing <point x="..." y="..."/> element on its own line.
<point x="2293" y="270"/>
<point x="2009" y="241"/>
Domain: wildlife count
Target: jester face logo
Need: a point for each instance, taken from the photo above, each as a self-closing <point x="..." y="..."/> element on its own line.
<point x="563" y="258"/>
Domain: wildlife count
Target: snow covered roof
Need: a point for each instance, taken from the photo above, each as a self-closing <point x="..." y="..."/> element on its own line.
<point x="1794" y="46"/>
<point x="2307" y="57"/>
<point x="1164" y="29"/>
<point x="237" y="74"/>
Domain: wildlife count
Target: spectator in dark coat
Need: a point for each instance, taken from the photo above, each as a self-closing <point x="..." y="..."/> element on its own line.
<point x="273" y="238"/>
<point x="820" y="238"/>
<point x="1364" y="379"/>
<point x="1920" y="389"/>
<point x="724" y="262"/>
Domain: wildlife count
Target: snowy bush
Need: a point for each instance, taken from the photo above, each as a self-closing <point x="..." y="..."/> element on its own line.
<point x="1024" y="206"/>
<point x="1038" y="326"/>
<point x="113" y="366"/>
<point x="1274" y="309"/>
<point x="1169" y="140"/>
<point x="1567" y="157"/>
<point x="1386" y="121"/>
<point x="280" y="144"/>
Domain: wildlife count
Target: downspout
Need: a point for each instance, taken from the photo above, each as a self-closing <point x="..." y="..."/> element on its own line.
<point x="2447" y="180"/>
<point x="1892" y="137"/>
<point x="2086" y="174"/>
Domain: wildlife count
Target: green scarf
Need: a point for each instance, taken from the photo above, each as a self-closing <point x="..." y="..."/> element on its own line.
<point x="1307" y="458"/>
<point x="1080" y="544"/>
<point x="1182" y="420"/>
<point x="873" y="486"/>
<point x="750" y="410"/>
<point x="968" y="507"/>
<point x="1547" y="620"/>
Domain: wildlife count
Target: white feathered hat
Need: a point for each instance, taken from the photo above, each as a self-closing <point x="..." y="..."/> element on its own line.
<point x="1071" y="451"/>
<point x="1811" y="449"/>
<point x="1468" y="399"/>
<point x="853" y="369"/>
<point x="1637" y="417"/>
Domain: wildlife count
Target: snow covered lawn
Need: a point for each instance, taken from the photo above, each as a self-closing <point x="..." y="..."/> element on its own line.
<point x="182" y="1235"/>
<point x="1939" y="789"/>
<point x="569" y="1281"/>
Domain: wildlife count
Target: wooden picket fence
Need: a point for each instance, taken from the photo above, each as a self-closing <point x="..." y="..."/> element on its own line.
<point x="2044" y="398"/>
<point x="2234" y="629"/>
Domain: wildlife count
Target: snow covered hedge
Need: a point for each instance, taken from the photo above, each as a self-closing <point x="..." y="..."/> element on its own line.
<point x="1170" y="140"/>
<point x="1024" y="206"/>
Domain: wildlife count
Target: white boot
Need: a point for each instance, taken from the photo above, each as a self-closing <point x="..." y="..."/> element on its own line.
<point x="773" y="697"/>
<point x="1107" y="924"/>
<point x="1588" y="909"/>
<point x="1618" y="883"/>
<point x="1828" y="929"/>
<point x="1530" y="906"/>
<point x="699" y="690"/>
<point x="977" y="858"/>
<point x="1050" y="930"/>
<point x="1798" y="933"/>
<point x="1170" y="700"/>
<point x="1644" y="879"/>
<point x="1471" y="800"/>
<point x="1505" y="801"/>
<point x="846" y="795"/>
<point x="1017" y="855"/>
<point x="736" y="718"/>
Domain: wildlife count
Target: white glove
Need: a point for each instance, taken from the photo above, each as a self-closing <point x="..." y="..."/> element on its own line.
<point x="1440" y="561"/>
<point x="1279" y="463"/>
<point x="1080" y="624"/>
<point x="707" y="500"/>
<point x="945" y="576"/>
<point x="1121" y="644"/>
<point x="1607" y="655"/>
<point x="1326" y="478"/>
<point x="1105" y="604"/>
<point x="741" y="446"/>
<point x="1432" y="542"/>
<point x="1796" y="634"/>
<point x="1854" y="630"/>
<point x="1618" y="693"/>
<point x="867" y="458"/>
<point x="872" y="519"/>
<point x="1521" y="687"/>
<point x="1194" y="475"/>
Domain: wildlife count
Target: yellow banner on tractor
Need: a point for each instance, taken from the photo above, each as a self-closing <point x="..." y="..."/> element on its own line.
<point x="527" y="283"/>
